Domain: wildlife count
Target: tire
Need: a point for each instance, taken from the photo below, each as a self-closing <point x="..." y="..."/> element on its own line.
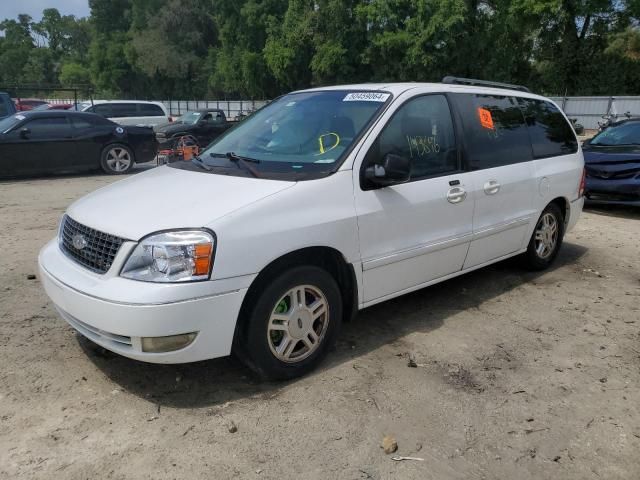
<point x="545" y="241"/>
<point x="117" y="159"/>
<point x="272" y="324"/>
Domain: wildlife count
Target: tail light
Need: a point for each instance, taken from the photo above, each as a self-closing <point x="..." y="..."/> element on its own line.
<point x="582" y="186"/>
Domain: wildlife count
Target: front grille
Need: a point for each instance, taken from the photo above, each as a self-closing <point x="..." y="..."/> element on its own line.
<point x="92" y="249"/>
<point x="607" y="175"/>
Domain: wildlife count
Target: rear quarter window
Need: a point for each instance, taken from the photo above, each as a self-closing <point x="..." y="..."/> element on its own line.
<point x="551" y="135"/>
<point x="495" y="132"/>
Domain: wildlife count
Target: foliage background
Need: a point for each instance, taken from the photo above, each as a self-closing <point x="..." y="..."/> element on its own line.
<point x="261" y="48"/>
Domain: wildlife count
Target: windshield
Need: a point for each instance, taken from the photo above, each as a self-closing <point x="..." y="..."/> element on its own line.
<point x="189" y="118"/>
<point x="627" y="133"/>
<point x="299" y="133"/>
<point x="10" y="122"/>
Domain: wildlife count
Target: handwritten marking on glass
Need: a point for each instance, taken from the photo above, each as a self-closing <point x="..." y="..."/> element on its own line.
<point x="422" y="145"/>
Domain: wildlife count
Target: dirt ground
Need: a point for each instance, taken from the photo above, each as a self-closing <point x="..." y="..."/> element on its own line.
<point x="519" y="376"/>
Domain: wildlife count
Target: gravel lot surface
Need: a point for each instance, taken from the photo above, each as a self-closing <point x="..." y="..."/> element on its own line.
<point x="518" y="376"/>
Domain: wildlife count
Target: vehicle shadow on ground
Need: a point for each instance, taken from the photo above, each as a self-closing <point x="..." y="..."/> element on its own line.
<point x="618" y="211"/>
<point x="214" y="382"/>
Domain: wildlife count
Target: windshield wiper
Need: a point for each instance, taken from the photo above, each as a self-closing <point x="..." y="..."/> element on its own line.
<point x="198" y="161"/>
<point x="238" y="160"/>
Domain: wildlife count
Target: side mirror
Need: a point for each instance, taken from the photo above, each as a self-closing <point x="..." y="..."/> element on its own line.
<point x="395" y="169"/>
<point x="25" y="132"/>
<point x="202" y="123"/>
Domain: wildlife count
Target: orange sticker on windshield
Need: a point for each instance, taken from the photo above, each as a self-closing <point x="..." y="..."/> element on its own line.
<point x="486" y="120"/>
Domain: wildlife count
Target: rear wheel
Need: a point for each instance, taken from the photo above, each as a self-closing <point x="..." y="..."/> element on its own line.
<point x="292" y="324"/>
<point x="546" y="239"/>
<point x="116" y="159"/>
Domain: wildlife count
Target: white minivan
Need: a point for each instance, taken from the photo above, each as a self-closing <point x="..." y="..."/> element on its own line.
<point x="324" y="202"/>
<point x="129" y="112"/>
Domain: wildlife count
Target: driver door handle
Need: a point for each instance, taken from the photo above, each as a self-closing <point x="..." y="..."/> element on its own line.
<point x="456" y="195"/>
<point x="491" y="187"/>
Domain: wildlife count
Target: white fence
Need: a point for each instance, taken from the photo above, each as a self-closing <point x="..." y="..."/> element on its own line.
<point x="589" y="110"/>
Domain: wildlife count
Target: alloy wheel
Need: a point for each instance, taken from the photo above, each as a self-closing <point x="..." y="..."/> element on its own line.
<point x="118" y="159"/>
<point x="546" y="235"/>
<point x="298" y="324"/>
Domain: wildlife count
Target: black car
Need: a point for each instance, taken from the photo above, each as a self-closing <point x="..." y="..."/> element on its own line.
<point x="51" y="141"/>
<point x="612" y="164"/>
<point x="205" y="125"/>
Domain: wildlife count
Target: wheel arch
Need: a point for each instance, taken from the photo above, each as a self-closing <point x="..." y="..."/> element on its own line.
<point x="327" y="258"/>
<point x="565" y="207"/>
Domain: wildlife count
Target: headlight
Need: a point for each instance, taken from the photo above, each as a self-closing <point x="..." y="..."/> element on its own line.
<point x="182" y="256"/>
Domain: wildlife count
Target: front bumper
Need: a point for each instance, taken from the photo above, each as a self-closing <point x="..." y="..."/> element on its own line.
<point x="119" y="322"/>
<point x="613" y="191"/>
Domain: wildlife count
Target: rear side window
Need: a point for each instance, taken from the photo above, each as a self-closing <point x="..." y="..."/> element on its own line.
<point x="150" y="110"/>
<point x="551" y="134"/>
<point x="80" y="122"/>
<point x="495" y="132"/>
<point x="120" y="110"/>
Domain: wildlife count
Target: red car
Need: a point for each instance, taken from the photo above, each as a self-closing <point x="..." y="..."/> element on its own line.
<point x="53" y="106"/>
<point x="24" y="104"/>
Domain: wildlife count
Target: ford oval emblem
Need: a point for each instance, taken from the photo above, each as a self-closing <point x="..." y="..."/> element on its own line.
<point x="79" y="242"/>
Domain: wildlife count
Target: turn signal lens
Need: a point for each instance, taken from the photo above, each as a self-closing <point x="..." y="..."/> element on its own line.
<point x="202" y="259"/>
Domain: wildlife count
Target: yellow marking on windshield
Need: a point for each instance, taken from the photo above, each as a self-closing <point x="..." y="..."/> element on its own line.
<point x="323" y="148"/>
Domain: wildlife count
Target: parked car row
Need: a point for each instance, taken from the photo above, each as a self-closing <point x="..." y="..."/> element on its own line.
<point x="58" y="141"/>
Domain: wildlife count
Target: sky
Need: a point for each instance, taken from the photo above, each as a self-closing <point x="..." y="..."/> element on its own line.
<point x="11" y="8"/>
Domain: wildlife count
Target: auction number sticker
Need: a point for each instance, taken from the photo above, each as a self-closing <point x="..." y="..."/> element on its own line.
<point x="486" y="120"/>
<point x="366" y="97"/>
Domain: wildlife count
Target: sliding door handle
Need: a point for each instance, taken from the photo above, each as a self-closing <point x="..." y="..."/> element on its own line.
<point x="492" y="187"/>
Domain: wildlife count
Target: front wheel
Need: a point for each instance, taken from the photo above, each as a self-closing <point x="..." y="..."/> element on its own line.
<point x="116" y="159"/>
<point x="292" y="324"/>
<point x="546" y="239"/>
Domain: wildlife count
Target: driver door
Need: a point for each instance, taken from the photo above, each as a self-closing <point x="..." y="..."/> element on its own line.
<point x="43" y="145"/>
<point x="415" y="232"/>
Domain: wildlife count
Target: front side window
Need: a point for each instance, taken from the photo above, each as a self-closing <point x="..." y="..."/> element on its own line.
<point x="551" y="135"/>
<point x="300" y="135"/>
<point x="103" y="109"/>
<point x="422" y="131"/>
<point x="495" y="132"/>
<point x="48" y="128"/>
<point x="627" y="133"/>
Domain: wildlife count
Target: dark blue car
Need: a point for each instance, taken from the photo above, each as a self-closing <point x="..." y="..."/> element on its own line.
<point x="612" y="164"/>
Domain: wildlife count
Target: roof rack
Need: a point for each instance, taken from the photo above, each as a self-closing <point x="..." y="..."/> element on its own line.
<point x="484" y="83"/>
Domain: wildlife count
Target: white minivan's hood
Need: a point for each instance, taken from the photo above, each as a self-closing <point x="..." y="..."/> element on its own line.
<point x="168" y="198"/>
